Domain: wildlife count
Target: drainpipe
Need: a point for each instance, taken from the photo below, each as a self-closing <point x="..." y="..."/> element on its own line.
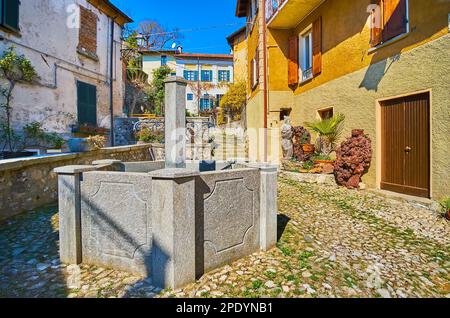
<point x="111" y="84"/>
<point x="264" y="35"/>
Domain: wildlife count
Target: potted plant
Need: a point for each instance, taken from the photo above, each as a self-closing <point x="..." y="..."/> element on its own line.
<point x="329" y="132"/>
<point x="307" y="147"/>
<point x="446" y="206"/>
<point x="14" y="69"/>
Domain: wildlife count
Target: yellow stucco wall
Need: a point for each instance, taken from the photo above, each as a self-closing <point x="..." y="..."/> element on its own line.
<point x="356" y="96"/>
<point x="240" y="64"/>
<point x="353" y="78"/>
<point x="346" y="38"/>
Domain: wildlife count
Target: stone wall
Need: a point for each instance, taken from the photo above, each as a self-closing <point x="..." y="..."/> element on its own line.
<point x="28" y="183"/>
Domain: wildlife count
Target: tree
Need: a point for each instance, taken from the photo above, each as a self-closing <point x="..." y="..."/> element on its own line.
<point x="329" y="131"/>
<point x="153" y="36"/>
<point x="14" y="68"/>
<point x="234" y="101"/>
<point x="157" y="94"/>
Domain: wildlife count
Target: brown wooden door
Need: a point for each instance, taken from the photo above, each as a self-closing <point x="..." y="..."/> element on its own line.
<point x="405" y="133"/>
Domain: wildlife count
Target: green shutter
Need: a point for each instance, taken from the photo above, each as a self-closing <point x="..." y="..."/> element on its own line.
<point x="87" y="104"/>
<point x="10" y="14"/>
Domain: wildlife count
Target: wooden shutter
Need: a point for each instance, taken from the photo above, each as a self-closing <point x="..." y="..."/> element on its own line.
<point x="87" y="104"/>
<point x="293" y="61"/>
<point x="10" y="14"/>
<point x="394" y="18"/>
<point x="376" y="25"/>
<point x="317" y="47"/>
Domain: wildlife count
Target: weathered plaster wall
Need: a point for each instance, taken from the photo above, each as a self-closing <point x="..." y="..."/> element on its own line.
<point x="51" y="45"/>
<point x="240" y="53"/>
<point x="356" y="96"/>
<point x="29" y="183"/>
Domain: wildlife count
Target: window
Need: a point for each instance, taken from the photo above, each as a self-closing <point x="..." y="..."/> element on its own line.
<point x="10" y="14"/>
<point x="254" y="70"/>
<point x="163" y="60"/>
<point x="389" y="20"/>
<point x="224" y="76"/>
<point x="190" y="75"/>
<point x="207" y="76"/>
<point x="306" y="55"/>
<point x="326" y="113"/>
<point x="190" y="96"/>
<point x="253" y="10"/>
<point x="218" y="99"/>
<point x="205" y="103"/>
<point x="88" y="33"/>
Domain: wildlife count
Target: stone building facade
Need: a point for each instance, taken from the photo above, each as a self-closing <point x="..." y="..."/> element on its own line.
<point x="70" y="43"/>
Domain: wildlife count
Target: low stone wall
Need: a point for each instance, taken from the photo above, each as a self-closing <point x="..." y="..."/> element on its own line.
<point x="28" y="183"/>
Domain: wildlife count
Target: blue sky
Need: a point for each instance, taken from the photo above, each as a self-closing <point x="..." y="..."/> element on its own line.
<point x="214" y="18"/>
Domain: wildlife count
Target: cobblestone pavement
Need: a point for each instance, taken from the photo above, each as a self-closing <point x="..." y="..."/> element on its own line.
<point x="333" y="243"/>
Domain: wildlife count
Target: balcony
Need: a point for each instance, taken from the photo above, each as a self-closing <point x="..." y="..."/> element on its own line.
<point x="286" y="14"/>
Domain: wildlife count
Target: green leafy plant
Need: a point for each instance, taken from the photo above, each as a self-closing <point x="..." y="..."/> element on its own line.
<point x="35" y="135"/>
<point x="308" y="165"/>
<point x="150" y="136"/>
<point x="329" y="131"/>
<point x="321" y="157"/>
<point x="15" y="69"/>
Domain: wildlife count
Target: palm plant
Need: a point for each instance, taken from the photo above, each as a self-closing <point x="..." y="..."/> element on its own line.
<point x="329" y="131"/>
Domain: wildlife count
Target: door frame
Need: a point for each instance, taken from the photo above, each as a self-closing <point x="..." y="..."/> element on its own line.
<point x="378" y="151"/>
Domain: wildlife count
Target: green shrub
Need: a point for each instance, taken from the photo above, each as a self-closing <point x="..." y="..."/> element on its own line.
<point x="150" y="136"/>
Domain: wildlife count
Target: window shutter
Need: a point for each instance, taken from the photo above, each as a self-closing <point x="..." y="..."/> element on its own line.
<point x="317" y="46"/>
<point x="293" y="61"/>
<point x="394" y="18"/>
<point x="376" y="25"/>
<point x="87" y="104"/>
<point x="10" y="13"/>
<point x="257" y="66"/>
<point x="252" y="74"/>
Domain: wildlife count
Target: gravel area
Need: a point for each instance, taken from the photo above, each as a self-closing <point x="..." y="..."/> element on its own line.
<point x="333" y="243"/>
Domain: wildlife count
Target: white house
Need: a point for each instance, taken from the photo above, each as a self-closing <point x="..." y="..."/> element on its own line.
<point x="74" y="46"/>
<point x="208" y="75"/>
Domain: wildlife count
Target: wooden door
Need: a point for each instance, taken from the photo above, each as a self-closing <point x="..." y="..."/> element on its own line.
<point x="87" y="104"/>
<point x="405" y="133"/>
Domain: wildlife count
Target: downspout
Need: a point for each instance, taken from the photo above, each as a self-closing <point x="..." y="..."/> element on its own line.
<point x="264" y="35"/>
<point x="111" y="83"/>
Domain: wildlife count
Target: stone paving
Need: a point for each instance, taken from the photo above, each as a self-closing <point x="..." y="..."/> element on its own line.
<point x="333" y="243"/>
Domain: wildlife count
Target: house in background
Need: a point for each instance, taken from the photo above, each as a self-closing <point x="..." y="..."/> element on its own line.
<point x="154" y="59"/>
<point x="208" y="75"/>
<point x="71" y="44"/>
<point x="385" y="64"/>
<point x="238" y="44"/>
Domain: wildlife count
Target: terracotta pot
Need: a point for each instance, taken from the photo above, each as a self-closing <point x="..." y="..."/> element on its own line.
<point x="324" y="161"/>
<point x="308" y="148"/>
<point x="447" y="215"/>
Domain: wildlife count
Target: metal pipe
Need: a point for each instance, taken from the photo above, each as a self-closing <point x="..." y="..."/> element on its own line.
<point x="264" y="34"/>
<point x="111" y="83"/>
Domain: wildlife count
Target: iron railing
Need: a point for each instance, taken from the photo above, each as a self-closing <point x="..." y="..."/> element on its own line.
<point x="272" y="7"/>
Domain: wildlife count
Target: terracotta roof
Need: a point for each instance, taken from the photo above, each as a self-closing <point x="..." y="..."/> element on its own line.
<point x="204" y="56"/>
<point x="112" y="11"/>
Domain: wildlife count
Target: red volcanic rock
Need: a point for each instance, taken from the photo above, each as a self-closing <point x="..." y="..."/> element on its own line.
<point x="353" y="159"/>
<point x="299" y="154"/>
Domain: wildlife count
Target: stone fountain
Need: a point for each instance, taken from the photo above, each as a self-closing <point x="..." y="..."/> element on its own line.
<point x="166" y="220"/>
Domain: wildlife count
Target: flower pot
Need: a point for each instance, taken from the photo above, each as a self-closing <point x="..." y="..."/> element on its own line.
<point x="308" y="148"/>
<point x="447" y="215"/>
<point x="78" y="145"/>
<point x="319" y="161"/>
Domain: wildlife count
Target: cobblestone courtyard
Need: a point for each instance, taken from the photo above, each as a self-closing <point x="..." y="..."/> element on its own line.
<point x="333" y="243"/>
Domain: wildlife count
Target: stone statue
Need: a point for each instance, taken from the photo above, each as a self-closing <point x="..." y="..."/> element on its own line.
<point x="286" y="139"/>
